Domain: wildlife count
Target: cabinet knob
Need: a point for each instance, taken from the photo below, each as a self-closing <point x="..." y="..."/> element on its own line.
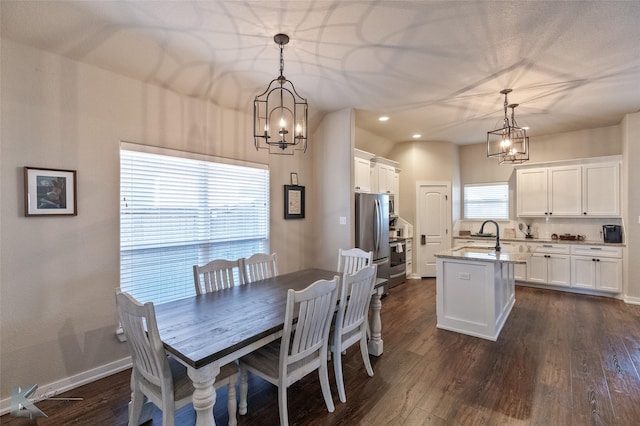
<point x="584" y="213"/>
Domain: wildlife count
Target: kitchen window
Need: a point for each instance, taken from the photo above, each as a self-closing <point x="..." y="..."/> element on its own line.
<point x="486" y="201"/>
<point x="178" y="210"/>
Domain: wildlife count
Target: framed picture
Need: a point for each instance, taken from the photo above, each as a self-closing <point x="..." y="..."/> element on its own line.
<point x="294" y="179"/>
<point x="293" y="202"/>
<point x="49" y="192"/>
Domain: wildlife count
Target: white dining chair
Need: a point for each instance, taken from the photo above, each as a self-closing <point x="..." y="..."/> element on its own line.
<point x="352" y="260"/>
<point x="160" y="378"/>
<point x="217" y="274"/>
<point x="351" y="321"/>
<point x="301" y="350"/>
<point x="259" y="266"/>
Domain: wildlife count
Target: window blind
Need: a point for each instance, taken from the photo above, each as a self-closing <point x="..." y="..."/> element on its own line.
<point x="486" y="201"/>
<point x="177" y="211"/>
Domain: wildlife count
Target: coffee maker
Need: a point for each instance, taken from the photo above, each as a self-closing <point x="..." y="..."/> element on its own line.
<point x="612" y="233"/>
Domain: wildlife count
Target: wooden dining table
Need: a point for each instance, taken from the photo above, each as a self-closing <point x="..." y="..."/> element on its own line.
<point x="208" y="331"/>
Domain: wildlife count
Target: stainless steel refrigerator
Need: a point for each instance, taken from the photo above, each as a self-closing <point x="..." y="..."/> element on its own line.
<point x="372" y="226"/>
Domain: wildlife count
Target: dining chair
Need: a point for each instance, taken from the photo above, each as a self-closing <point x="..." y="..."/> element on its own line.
<point x="352" y="260"/>
<point x="259" y="266"/>
<point x="217" y="274"/>
<point x="351" y="320"/>
<point x="301" y="350"/>
<point x="162" y="379"/>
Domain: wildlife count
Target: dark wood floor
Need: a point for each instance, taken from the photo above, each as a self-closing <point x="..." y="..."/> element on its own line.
<point x="561" y="359"/>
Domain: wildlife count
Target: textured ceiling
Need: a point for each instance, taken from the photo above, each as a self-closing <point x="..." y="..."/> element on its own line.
<point x="435" y="67"/>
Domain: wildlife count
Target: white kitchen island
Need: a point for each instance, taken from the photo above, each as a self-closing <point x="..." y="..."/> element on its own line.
<point x="475" y="290"/>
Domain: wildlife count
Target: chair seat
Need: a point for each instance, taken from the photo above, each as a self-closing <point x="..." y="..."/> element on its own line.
<point x="266" y="360"/>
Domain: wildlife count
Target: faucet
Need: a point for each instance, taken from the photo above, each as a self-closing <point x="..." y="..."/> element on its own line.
<point x="497" y="232"/>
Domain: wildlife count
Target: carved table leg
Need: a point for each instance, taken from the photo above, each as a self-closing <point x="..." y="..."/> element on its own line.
<point x="376" y="343"/>
<point x="204" y="395"/>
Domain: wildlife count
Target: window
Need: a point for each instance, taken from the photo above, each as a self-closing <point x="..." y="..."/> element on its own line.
<point x="486" y="201"/>
<point x="183" y="209"/>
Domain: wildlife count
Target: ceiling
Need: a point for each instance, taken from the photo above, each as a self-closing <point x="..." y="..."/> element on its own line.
<point x="434" y="67"/>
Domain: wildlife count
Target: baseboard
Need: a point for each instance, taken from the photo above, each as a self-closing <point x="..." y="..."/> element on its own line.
<point x="73" y="382"/>
<point x="414" y="277"/>
<point x="632" y="300"/>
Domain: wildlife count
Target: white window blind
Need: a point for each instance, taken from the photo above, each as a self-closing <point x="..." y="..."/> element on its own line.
<point x="486" y="201"/>
<point x="177" y="212"/>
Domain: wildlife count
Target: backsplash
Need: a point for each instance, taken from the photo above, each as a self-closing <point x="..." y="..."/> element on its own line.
<point x="544" y="227"/>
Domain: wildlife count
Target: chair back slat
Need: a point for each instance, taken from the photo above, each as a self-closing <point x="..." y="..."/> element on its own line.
<point x="217" y="275"/>
<point x="140" y="327"/>
<point x="355" y="295"/>
<point x="352" y="260"/>
<point x="259" y="266"/>
<point x="309" y="338"/>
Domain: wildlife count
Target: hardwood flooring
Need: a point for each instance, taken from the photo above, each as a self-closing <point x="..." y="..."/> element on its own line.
<point x="561" y="359"/>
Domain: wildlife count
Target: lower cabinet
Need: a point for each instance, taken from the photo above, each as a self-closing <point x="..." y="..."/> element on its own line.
<point x="549" y="264"/>
<point x="409" y="257"/>
<point x="597" y="268"/>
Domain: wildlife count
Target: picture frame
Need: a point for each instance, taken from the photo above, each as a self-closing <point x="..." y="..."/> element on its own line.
<point x="49" y="192"/>
<point x="294" y="179"/>
<point x="293" y="202"/>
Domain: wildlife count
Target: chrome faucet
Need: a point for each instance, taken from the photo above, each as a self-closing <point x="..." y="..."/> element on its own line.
<point x="497" y="232"/>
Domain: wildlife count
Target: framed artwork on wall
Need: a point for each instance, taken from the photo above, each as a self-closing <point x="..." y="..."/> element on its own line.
<point x="49" y="192"/>
<point x="293" y="202"/>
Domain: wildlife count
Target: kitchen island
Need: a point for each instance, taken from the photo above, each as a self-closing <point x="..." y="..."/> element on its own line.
<point x="475" y="289"/>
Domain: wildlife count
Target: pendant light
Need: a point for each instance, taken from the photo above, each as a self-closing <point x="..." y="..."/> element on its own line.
<point x="510" y="144"/>
<point x="280" y="114"/>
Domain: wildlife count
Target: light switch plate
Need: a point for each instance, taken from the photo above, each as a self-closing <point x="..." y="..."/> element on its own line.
<point x="343" y="220"/>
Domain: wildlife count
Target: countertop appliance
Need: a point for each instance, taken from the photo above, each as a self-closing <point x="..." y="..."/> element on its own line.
<point x="612" y="233"/>
<point x="372" y="228"/>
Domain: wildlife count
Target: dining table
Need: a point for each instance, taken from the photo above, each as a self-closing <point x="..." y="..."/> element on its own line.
<point x="207" y="331"/>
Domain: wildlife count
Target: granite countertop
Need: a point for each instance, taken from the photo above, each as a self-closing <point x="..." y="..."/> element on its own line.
<point x="484" y="255"/>
<point x="489" y="240"/>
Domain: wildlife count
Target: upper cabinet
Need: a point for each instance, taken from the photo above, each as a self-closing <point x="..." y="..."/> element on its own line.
<point x="384" y="176"/>
<point x="601" y="189"/>
<point x="362" y="171"/>
<point x="591" y="189"/>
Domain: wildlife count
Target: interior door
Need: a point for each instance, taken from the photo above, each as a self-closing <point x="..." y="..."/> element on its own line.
<point x="434" y="223"/>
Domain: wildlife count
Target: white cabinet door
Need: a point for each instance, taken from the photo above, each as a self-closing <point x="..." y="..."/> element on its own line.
<point x="554" y="269"/>
<point x="409" y="257"/>
<point x="565" y="193"/>
<point x="386" y="179"/>
<point x="362" y="175"/>
<point x="558" y="270"/>
<point x="609" y="274"/>
<point x="601" y="190"/>
<point x="583" y="272"/>
<point x="537" y="268"/>
<point x="520" y="272"/>
<point x="532" y="189"/>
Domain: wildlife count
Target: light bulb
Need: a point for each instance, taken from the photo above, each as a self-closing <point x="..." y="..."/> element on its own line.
<point x="298" y="129"/>
<point x="282" y="123"/>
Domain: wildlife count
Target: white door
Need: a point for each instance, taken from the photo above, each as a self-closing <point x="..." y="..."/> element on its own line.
<point x="434" y="223"/>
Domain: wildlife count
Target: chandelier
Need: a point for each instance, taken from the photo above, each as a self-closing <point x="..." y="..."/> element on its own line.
<point x="280" y="114"/>
<point x="510" y="144"/>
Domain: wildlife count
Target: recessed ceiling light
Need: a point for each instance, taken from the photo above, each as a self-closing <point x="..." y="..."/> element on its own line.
<point x="384" y="118"/>
<point x="417" y="136"/>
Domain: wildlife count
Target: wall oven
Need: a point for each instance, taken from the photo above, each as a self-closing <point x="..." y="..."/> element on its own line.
<point x="397" y="261"/>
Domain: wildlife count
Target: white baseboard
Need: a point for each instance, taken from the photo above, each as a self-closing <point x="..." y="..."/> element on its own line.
<point x="72" y="382"/>
<point x="632" y="300"/>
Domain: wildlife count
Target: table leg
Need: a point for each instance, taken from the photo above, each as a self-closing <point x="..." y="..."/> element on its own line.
<point x="204" y="394"/>
<point x="376" y="343"/>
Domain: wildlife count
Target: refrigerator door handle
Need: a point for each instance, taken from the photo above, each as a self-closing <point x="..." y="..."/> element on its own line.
<point x="376" y="241"/>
